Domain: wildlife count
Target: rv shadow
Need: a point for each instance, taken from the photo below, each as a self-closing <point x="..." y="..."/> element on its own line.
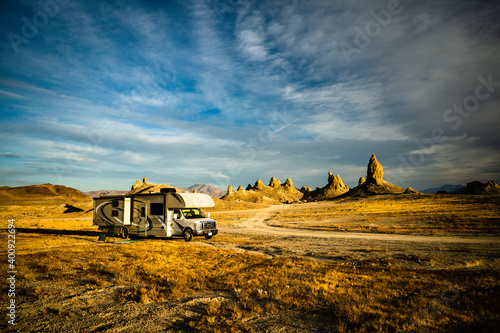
<point x="72" y="209"/>
<point x="84" y="233"/>
<point x="58" y="232"/>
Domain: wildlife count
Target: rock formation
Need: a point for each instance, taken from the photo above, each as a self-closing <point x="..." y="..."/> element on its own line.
<point x="275" y="193"/>
<point x="259" y="185"/>
<point x="361" y="180"/>
<point x="331" y="177"/>
<point x="288" y="183"/>
<point x="229" y="189"/>
<point x="374" y="183"/>
<point x="333" y="189"/>
<point x="335" y="182"/>
<point x="375" y="171"/>
<point x="305" y="189"/>
<point x="410" y="190"/>
<point x="249" y="187"/>
<point x="136" y="185"/>
<point x="144" y="187"/>
<point x="240" y="188"/>
<point x="274" y="182"/>
<point x="477" y="187"/>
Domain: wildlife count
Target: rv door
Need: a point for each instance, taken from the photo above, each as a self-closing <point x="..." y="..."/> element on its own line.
<point x="177" y="223"/>
<point x="143" y="220"/>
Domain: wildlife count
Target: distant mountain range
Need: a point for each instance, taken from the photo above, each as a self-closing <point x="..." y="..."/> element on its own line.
<point x="200" y="188"/>
<point x="447" y="188"/>
<point x="208" y="189"/>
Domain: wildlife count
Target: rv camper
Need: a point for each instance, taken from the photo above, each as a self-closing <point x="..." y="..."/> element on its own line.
<point x="163" y="214"/>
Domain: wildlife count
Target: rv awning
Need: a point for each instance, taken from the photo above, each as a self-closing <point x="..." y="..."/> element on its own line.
<point x="189" y="200"/>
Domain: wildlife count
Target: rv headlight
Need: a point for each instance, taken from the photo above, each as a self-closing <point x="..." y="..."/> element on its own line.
<point x="197" y="225"/>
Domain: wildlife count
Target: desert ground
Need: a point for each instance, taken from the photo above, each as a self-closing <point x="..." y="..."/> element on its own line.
<point x="387" y="263"/>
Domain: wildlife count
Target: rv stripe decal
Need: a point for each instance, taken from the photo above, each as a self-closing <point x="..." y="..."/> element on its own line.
<point x="179" y="225"/>
<point x="164" y="227"/>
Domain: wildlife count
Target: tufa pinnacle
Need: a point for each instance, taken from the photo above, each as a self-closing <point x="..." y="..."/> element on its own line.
<point x="375" y="171"/>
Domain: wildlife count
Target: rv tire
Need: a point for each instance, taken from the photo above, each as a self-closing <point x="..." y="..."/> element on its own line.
<point x="188" y="235"/>
<point x="124" y="233"/>
<point x="208" y="237"/>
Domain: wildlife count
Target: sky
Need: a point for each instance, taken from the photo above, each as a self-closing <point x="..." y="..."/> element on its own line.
<point x="97" y="94"/>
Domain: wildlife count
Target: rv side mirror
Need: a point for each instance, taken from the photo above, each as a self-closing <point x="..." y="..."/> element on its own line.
<point x="208" y="214"/>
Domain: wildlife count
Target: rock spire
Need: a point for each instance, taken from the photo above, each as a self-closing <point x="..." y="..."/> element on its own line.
<point x="259" y="185"/>
<point x="375" y="171"/>
<point x="274" y="182"/>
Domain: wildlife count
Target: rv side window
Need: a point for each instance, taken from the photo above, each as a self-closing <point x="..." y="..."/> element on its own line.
<point x="156" y="209"/>
<point x="114" y="213"/>
<point x="116" y="203"/>
<point x="143" y="211"/>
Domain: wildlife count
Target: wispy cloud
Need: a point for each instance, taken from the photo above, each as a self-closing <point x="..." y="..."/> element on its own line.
<point x="10" y="155"/>
<point x="10" y="95"/>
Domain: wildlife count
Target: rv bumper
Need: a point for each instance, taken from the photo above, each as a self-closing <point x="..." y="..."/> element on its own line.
<point x="205" y="232"/>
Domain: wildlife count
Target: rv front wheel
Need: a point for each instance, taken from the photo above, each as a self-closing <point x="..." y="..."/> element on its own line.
<point x="188" y="235"/>
<point x="124" y="233"/>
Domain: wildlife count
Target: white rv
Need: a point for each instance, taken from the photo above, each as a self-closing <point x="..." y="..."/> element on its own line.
<point x="163" y="214"/>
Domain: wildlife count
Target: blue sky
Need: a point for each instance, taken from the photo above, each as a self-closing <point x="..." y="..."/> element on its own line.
<point x="95" y="95"/>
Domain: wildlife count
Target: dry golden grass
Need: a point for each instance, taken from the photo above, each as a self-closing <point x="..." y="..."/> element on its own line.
<point x="225" y="205"/>
<point x="361" y="298"/>
<point x="358" y="299"/>
<point x="233" y="217"/>
<point x="399" y="213"/>
<point x="72" y="223"/>
<point x="55" y="207"/>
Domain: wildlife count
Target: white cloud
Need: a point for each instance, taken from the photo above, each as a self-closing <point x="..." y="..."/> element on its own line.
<point x="252" y="45"/>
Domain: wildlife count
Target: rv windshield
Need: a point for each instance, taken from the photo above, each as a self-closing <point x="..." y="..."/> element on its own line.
<point x="192" y="213"/>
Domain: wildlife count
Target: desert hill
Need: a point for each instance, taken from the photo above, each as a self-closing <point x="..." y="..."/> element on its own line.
<point x="45" y="191"/>
<point x="274" y="193"/>
<point x="384" y="187"/>
<point x="42" y="200"/>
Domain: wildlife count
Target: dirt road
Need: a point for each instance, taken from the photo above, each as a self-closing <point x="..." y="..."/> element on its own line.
<point x="258" y="225"/>
<point x="432" y="251"/>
